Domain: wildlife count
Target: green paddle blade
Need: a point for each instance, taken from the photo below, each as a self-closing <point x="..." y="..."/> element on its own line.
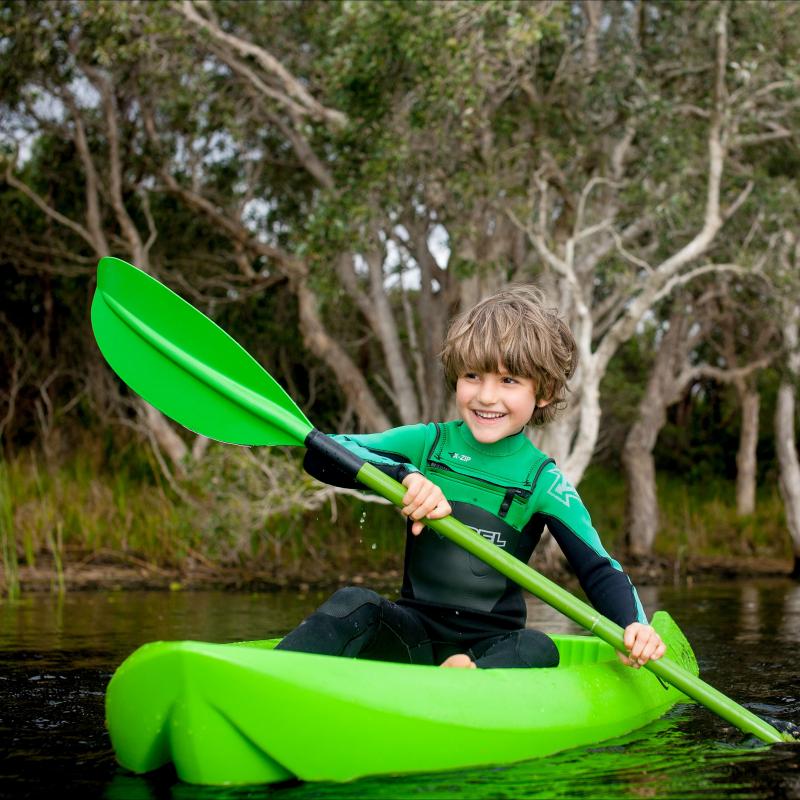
<point x="185" y="365"/>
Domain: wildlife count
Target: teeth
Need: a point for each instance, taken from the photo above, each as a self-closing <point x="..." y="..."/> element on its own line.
<point x="489" y="414"/>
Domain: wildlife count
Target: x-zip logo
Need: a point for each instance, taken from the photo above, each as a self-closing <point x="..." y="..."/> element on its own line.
<point x="459" y="456"/>
<point x="561" y="488"/>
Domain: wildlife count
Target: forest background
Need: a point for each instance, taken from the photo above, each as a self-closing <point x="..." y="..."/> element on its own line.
<point x="331" y="181"/>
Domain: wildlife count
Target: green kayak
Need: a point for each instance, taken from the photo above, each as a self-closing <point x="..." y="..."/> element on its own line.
<point x="244" y="713"/>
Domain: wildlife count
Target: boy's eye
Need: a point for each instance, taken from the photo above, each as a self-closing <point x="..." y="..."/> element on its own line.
<point x="471" y="375"/>
<point x="509" y="379"/>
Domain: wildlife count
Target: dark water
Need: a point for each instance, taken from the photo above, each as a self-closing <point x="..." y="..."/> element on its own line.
<point x="56" y="657"/>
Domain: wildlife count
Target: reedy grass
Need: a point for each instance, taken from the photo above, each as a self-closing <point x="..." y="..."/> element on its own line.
<point x="8" y="544"/>
<point x="78" y="508"/>
<point x="254" y="514"/>
<point x="697" y="519"/>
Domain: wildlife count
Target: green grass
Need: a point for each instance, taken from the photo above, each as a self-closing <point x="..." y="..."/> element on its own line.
<point x="79" y="507"/>
<point x="8" y="543"/>
<point x="236" y="513"/>
<point x="697" y="519"/>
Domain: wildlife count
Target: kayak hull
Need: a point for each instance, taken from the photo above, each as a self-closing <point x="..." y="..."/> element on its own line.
<point x="243" y="713"/>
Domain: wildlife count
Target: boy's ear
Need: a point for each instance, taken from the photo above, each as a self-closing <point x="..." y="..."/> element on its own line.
<point x="543" y="401"/>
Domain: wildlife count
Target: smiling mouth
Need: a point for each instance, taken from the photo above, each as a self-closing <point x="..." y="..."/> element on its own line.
<point x="488" y="416"/>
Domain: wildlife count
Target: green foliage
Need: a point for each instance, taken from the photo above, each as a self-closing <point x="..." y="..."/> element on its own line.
<point x="8" y="541"/>
<point x="421" y="85"/>
<point x="700" y="440"/>
<point x="698" y="517"/>
<point x="259" y="516"/>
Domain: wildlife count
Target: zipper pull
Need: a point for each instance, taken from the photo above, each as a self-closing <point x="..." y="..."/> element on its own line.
<point x="523" y="494"/>
<point x="507" y="500"/>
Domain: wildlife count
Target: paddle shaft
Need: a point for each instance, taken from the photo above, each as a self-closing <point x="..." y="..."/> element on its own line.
<point x="548" y="591"/>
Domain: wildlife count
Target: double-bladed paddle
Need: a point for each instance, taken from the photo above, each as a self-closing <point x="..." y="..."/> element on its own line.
<point x="181" y="362"/>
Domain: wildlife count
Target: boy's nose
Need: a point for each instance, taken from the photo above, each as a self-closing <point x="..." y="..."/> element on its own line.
<point x="487" y="394"/>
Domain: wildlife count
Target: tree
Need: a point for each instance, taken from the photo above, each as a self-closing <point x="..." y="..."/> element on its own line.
<point x="64" y="102"/>
<point x="694" y="323"/>
<point x="611" y="222"/>
<point x="786" y="407"/>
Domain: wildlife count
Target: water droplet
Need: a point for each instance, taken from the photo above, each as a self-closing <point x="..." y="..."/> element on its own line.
<point x="374" y="546"/>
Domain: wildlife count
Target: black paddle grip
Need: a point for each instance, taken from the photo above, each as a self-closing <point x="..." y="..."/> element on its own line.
<point x="332" y="451"/>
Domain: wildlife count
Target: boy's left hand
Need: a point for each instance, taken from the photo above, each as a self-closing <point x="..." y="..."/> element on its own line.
<point x="643" y="644"/>
<point x="423" y="499"/>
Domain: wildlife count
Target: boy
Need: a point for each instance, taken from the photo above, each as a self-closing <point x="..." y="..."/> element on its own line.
<point x="508" y="360"/>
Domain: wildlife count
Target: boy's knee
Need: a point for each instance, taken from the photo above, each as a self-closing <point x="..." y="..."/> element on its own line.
<point x="521" y="649"/>
<point x="342" y="626"/>
<point x="342" y="603"/>
<point x="537" y="649"/>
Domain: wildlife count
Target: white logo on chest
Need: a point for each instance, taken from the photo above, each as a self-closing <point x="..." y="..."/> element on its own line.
<point x="561" y="488"/>
<point x="460" y="457"/>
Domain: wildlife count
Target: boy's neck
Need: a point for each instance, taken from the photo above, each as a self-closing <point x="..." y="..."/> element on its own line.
<point x="502" y="447"/>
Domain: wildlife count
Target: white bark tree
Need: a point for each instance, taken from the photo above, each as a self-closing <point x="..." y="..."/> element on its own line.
<point x="675" y="369"/>
<point x="786" y="406"/>
<point x="597" y="230"/>
<point x="572" y="257"/>
<point x="746" y="335"/>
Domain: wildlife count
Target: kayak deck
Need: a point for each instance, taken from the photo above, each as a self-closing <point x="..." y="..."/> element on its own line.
<point x="243" y="713"/>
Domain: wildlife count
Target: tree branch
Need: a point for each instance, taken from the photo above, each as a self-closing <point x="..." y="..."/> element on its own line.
<point x="293" y="89"/>
<point x="47" y="209"/>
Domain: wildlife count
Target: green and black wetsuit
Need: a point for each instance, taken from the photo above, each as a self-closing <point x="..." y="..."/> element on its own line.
<point x="507" y="491"/>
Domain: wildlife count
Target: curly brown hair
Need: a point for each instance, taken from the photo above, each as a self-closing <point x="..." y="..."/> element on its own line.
<point x="514" y="329"/>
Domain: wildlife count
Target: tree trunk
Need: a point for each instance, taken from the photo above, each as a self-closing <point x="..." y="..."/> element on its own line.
<point x="385" y="327"/>
<point x="746" y="456"/>
<point x="167" y="439"/>
<point x="785" y="441"/>
<point x="317" y="339"/>
<point x="642" y="519"/>
<point x="789" y="466"/>
<point x="666" y="384"/>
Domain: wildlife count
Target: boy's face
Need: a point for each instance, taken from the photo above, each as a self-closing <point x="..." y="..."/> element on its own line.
<point x="495" y="404"/>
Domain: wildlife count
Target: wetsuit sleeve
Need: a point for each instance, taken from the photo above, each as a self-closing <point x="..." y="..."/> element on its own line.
<point x="608" y="588"/>
<point x="395" y="452"/>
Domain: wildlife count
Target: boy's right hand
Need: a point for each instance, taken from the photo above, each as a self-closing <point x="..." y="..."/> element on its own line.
<point x="423" y="499"/>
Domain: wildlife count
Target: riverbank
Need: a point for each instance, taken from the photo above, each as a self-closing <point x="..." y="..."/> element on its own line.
<point x="78" y="527"/>
<point x="132" y="574"/>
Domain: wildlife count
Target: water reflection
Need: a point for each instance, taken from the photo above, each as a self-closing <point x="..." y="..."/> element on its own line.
<point x="57" y="655"/>
<point x="121" y="621"/>
<point x="789" y="621"/>
<point x="659" y="761"/>
<point x="749" y="614"/>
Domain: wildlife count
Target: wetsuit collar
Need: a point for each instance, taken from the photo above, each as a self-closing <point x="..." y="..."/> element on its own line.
<point x="504" y="447"/>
